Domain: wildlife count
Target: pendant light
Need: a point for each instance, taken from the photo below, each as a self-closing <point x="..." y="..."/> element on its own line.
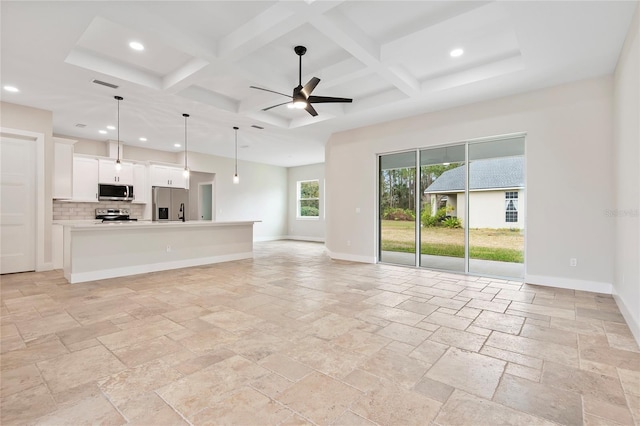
<point x="236" y="178"/>
<point x="118" y="164"/>
<point x="185" y="172"/>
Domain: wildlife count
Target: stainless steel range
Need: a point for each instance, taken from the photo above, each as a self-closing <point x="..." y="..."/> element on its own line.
<point x="114" y="215"/>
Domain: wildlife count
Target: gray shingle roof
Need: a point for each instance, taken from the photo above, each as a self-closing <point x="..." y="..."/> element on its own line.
<point x="492" y="173"/>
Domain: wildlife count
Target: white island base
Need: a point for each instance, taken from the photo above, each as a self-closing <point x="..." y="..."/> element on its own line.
<point x="99" y="251"/>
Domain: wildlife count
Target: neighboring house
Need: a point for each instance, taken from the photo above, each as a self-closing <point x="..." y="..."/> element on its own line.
<point x="496" y="193"/>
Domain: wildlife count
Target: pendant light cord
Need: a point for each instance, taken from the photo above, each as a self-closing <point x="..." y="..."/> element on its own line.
<point x="236" y="169"/>
<point x="118" y="129"/>
<point x="118" y="98"/>
<point x="185" y="139"/>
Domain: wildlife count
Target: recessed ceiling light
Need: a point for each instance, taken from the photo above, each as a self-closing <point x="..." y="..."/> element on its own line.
<point x="177" y="145"/>
<point x="102" y="132"/>
<point x="143" y="139"/>
<point x="111" y="127"/>
<point x="136" y="45"/>
<point x="456" y="52"/>
<point x="11" y="89"/>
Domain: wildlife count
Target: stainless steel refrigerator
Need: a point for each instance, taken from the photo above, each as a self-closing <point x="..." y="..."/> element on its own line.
<point x="170" y="203"/>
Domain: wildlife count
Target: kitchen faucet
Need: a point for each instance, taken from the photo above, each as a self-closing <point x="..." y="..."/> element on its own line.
<point x="181" y="212"/>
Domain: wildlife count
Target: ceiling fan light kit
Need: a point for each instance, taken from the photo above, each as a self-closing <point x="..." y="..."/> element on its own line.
<point x="302" y="98"/>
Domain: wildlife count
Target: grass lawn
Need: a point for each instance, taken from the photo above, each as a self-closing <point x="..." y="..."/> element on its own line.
<point x="501" y="245"/>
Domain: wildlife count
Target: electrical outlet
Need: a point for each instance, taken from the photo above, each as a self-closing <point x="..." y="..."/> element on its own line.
<point x="348" y="243"/>
<point x="168" y="248"/>
<point x="573" y="262"/>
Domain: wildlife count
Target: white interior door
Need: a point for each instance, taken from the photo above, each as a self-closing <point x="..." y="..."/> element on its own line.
<point x="17" y="205"/>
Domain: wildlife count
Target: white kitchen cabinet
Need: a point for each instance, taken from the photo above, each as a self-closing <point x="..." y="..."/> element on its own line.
<point x="168" y="176"/>
<point x="62" y="168"/>
<point x="141" y="189"/>
<point x="85" y="179"/>
<point x="108" y="174"/>
<point x="177" y="178"/>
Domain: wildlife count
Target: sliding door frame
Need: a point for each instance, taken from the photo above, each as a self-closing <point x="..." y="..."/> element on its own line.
<point x="418" y="201"/>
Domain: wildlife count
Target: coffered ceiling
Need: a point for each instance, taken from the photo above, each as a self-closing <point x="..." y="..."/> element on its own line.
<point x="392" y="57"/>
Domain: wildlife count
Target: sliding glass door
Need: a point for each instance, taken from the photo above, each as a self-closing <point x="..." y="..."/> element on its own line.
<point x="443" y="179"/>
<point x="462" y="210"/>
<point x="496" y="207"/>
<point x="397" y="207"/>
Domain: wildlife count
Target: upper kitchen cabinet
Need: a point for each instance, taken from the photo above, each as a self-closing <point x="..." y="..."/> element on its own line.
<point x="108" y="174"/>
<point x="63" y="168"/>
<point x="168" y="176"/>
<point x="85" y="179"/>
<point x="141" y="189"/>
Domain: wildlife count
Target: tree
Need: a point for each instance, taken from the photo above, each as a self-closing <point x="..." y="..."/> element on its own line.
<point x="398" y="186"/>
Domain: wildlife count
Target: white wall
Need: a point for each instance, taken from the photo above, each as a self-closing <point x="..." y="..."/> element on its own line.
<point x="20" y="117"/>
<point x="260" y="195"/>
<point x="305" y="229"/>
<point x="569" y="176"/>
<point x="626" y="210"/>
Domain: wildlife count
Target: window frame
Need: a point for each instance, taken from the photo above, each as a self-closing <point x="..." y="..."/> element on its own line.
<point x="299" y="199"/>
<point x="510" y="215"/>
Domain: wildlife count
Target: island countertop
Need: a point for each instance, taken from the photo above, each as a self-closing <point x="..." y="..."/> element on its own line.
<point x="98" y="225"/>
<point x="96" y="251"/>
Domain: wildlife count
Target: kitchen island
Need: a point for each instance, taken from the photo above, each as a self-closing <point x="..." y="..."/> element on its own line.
<point x="95" y="251"/>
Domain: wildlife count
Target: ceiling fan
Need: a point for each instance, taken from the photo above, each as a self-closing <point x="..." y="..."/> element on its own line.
<point x="302" y="98"/>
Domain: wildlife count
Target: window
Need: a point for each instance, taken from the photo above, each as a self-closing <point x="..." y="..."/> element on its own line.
<point x="511" y="206"/>
<point x="308" y="199"/>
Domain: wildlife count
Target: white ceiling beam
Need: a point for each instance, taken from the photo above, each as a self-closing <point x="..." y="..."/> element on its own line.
<point x="278" y="20"/>
<point x="257" y="32"/>
<point x="210" y="98"/>
<point x="346" y="34"/>
<point x="174" y="79"/>
<point x="340" y="73"/>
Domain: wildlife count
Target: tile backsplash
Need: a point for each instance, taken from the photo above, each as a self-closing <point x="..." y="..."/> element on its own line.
<point x="80" y="211"/>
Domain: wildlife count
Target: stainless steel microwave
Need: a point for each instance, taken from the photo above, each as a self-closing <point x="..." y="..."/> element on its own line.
<point x="115" y="192"/>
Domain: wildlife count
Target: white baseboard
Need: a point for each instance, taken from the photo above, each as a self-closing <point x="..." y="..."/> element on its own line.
<point x="273" y="238"/>
<point x="633" y="323"/>
<point x="288" y="237"/>
<point x="351" y="257"/>
<point x="311" y="239"/>
<point x="569" y="283"/>
<point x="80" y="277"/>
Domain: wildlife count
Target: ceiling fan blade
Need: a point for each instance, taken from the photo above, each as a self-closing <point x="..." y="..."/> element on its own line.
<point x="267" y="90"/>
<point x="273" y="106"/>
<point x="311" y="110"/>
<point x="308" y="88"/>
<point x="326" y="99"/>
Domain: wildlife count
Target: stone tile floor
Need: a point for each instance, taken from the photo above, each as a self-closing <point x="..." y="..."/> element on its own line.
<point x="292" y="337"/>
